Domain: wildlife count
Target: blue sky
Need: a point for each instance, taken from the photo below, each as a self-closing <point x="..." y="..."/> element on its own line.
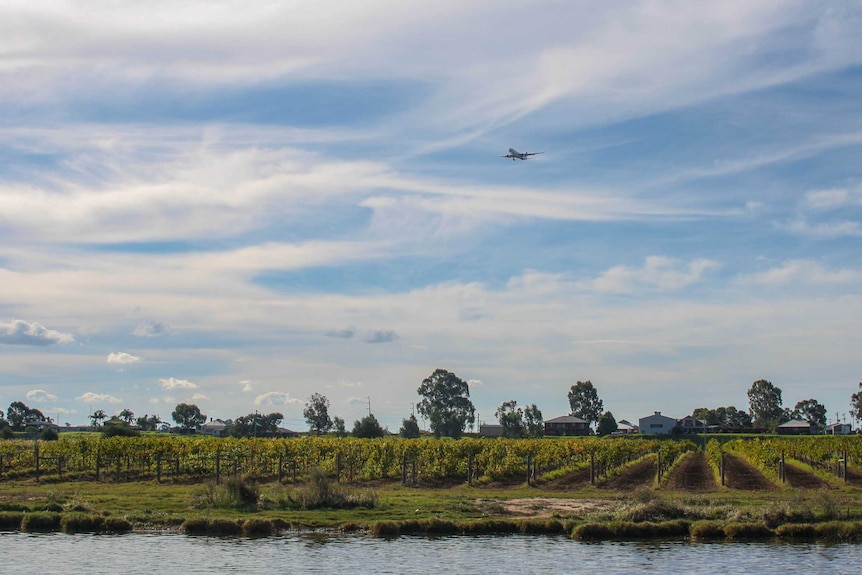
<point x="239" y="205"/>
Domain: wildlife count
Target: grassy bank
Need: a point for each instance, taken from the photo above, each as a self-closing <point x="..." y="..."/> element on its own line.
<point x="246" y="508"/>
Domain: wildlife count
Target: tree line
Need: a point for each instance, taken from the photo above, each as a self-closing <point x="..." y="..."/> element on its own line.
<point x="445" y="403"/>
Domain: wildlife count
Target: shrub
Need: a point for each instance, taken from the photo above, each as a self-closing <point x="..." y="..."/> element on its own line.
<point x="49" y="434"/>
<point x="223" y="528"/>
<point x="319" y="492"/>
<point x="10" y="520"/>
<point x="796" y="531"/>
<point x="592" y="532"/>
<point x="233" y="494"/>
<point x="116" y="525"/>
<point x="385" y="529"/>
<point x="706" y="530"/>
<point x="839" y="531"/>
<point x="736" y="530"/>
<point x="257" y="528"/>
<point x="198" y="526"/>
<point x="40" y="522"/>
<point x="81" y="523"/>
<point x="655" y="510"/>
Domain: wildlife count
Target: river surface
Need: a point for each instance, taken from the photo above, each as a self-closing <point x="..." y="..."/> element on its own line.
<point x="156" y="554"/>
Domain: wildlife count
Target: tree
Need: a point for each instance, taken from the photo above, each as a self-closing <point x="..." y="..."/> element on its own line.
<point x="811" y="411"/>
<point x="724" y="417"/>
<point x="856" y="404"/>
<point x="20" y="414"/>
<point x="338" y="426"/>
<point x="584" y="401"/>
<point x="97" y="417"/>
<point x="409" y="428"/>
<point x="316" y="414"/>
<point x="367" y="427"/>
<point x="127" y="415"/>
<point x="188" y="416"/>
<point x="256" y="425"/>
<point x="148" y="423"/>
<point x="446" y="403"/>
<point x="534" y="424"/>
<point x="511" y="418"/>
<point x="764" y="400"/>
<point x="607" y="424"/>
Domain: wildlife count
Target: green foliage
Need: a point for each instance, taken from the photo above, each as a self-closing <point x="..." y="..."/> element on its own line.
<point x="188" y="415"/>
<point x="256" y="425"/>
<point x="765" y="404"/>
<point x="446" y="403"/>
<point x="232" y="494"/>
<point x="607" y="424"/>
<point x="534" y="423"/>
<point x="511" y="418"/>
<point x="856" y="404"/>
<point x="367" y="427"/>
<point x="810" y="410"/>
<point x="118" y="429"/>
<point x="409" y="428"/>
<point x="20" y="414"/>
<point x="319" y="492"/>
<point x="49" y="434"/>
<point x="316" y="414"/>
<point x="584" y="401"/>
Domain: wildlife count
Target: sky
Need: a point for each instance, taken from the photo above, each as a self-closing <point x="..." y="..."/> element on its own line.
<point x="240" y="204"/>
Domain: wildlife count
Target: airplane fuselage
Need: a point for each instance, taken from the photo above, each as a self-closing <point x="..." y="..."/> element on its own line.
<point x="516" y="155"/>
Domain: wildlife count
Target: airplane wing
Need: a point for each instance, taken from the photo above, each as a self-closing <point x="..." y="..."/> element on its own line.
<point x="533" y="153"/>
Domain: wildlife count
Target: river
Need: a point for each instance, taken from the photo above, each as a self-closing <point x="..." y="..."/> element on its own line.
<point x="156" y="554"/>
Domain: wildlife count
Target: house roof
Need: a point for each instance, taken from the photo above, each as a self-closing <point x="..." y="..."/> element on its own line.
<point x="795" y="423"/>
<point x="566" y="419"/>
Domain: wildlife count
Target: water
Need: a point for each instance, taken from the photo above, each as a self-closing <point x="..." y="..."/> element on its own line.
<point x="155" y="554"/>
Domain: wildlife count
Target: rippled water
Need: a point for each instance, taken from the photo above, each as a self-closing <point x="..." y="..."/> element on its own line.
<point x="140" y="554"/>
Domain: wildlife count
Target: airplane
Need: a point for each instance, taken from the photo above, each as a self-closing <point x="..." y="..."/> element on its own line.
<point x="515" y="154"/>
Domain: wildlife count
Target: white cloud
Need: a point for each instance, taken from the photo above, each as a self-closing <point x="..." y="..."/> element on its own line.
<point x="660" y="273"/>
<point x="199" y="397"/>
<point x="803" y="273"/>
<point x="173" y="383"/>
<point x="90" y="397"/>
<point x="826" y="230"/>
<point x="40" y="395"/>
<point x="474" y="382"/>
<point x="350" y="384"/>
<point x="246" y="385"/>
<point x="276" y="398"/>
<point x="122" y="358"/>
<point x="20" y="332"/>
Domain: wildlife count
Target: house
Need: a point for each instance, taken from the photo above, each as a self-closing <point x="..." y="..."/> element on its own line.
<point x="797" y="427"/>
<point x="624" y="427"/>
<point x="214" y="427"/>
<point x="690" y="424"/>
<point x="567" y="425"/>
<point x="490" y="430"/>
<point x="838" y="429"/>
<point x="656" y="424"/>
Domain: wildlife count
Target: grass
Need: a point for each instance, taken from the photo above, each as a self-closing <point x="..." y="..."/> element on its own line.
<point x="386" y="509"/>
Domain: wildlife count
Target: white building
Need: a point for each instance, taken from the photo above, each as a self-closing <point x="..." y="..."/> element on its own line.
<point x="656" y="424"/>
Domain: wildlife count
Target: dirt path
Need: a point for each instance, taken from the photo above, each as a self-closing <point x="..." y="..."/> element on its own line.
<point x="693" y="474"/>
<point x="640" y="474"/>
<point x="802" y="479"/>
<point x="571" y="482"/>
<point x="740" y="474"/>
<point x="854" y="477"/>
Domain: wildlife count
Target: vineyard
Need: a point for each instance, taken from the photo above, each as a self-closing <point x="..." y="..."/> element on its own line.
<point x="412" y="461"/>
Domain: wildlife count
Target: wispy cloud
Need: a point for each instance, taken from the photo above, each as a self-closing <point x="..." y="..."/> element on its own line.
<point x="40" y="395"/>
<point x="151" y="329"/>
<point x="658" y="272"/>
<point x="122" y="358"/>
<point x="173" y="383"/>
<point x="276" y="398"/>
<point x="382" y="336"/>
<point x="90" y="397"/>
<point x="21" y="332"/>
